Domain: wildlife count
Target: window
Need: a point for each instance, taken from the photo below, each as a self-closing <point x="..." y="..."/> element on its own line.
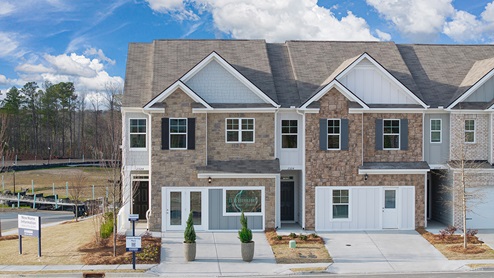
<point x="178" y="133"/>
<point x="334" y="134"/>
<point x="340" y="204"/>
<point x="138" y="133"/>
<point x="469" y="131"/>
<point x="435" y="131"/>
<point x="391" y="132"/>
<point x="289" y="134"/>
<point x="247" y="200"/>
<point x="239" y="130"/>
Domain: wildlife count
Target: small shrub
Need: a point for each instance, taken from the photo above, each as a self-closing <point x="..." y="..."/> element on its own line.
<point x="472" y="232"/>
<point x="450" y="230"/>
<point x="190" y="233"/>
<point x="245" y="234"/>
<point x="292" y="235"/>
<point x="279" y="237"/>
<point x="442" y="234"/>
<point x="303" y="237"/>
<point x="106" y="229"/>
<point x="148" y="253"/>
<point x="314" y="235"/>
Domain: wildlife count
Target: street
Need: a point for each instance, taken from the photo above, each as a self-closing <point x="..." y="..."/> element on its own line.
<point x="9" y="219"/>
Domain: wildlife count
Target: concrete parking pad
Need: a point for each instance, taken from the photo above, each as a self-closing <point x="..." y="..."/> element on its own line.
<point x="487" y="236"/>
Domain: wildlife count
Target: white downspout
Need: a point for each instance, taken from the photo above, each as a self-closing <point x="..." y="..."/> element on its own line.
<point x="303" y="169"/>
<point x="150" y="181"/>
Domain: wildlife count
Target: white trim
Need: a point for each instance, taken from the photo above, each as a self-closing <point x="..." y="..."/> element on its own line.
<point x="392" y="171"/>
<point x="168" y="91"/>
<point x="472" y="89"/>
<point x="217" y="175"/>
<point x="179" y="133"/>
<point x="440" y="131"/>
<point x="240" y="131"/>
<point x="426" y="205"/>
<point x="439" y="166"/>
<point x="131" y="109"/>
<point x="137" y="167"/>
<point x="233" y="110"/>
<point x="215" y="57"/>
<point x="387" y="110"/>
<point x="365" y="55"/>
<point x="468" y="111"/>
<point x="342" y="89"/>
<point x="391" y="134"/>
<point x="263" y="200"/>
<point x="349" y="218"/>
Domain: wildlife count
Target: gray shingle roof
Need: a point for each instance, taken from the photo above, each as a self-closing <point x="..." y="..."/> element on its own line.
<point x="416" y="165"/>
<point x="242" y="167"/>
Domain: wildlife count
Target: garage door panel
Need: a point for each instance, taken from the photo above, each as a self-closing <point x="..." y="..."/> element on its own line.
<point x="481" y="215"/>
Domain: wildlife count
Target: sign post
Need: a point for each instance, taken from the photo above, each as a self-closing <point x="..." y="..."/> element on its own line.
<point x="29" y="226"/>
<point x="133" y="243"/>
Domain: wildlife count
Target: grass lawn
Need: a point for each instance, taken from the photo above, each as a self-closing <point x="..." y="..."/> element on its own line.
<point x="310" y="250"/>
<point x="451" y="246"/>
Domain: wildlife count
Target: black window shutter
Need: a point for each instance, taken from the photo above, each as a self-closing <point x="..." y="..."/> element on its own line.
<point x="379" y="134"/>
<point x="165" y="131"/>
<point x="404" y="134"/>
<point x="323" y="134"/>
<point x="191" y="133"/>
<point x="344" y="134"/>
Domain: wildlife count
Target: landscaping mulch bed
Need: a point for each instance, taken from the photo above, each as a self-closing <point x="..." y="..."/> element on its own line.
<point x="309" y="250"/>
<point x="10" y="237"/>
<point x="102" y="252"/>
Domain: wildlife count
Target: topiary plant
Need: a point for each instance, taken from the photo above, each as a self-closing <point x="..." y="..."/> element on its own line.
<point x="245" y="234"/>
<point x="190" y="233"/>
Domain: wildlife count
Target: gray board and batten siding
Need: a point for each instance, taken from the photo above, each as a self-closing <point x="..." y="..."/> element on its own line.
<point x="219" y="222"/>
<point x="436" y="153"/>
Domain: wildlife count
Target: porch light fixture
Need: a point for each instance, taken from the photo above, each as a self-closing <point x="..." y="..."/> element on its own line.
<point x="366" y="177"/>
<point x="210" y="180"/>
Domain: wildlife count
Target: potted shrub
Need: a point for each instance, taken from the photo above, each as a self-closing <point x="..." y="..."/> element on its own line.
<point x="245" y="236"/>
<point x="190" y="240"/>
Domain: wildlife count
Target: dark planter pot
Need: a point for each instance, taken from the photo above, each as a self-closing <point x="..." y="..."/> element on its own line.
<point x="190" y="251"/>
<point x="247" y="251"/>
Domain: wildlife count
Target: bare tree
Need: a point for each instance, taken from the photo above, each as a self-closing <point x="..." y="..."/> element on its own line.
<point x="77" y="189"/>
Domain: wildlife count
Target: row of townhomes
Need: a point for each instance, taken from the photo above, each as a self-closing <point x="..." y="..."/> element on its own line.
<point x="325" y="135"/>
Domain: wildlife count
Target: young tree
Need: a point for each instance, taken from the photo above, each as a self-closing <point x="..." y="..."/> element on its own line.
<point x="77" y="189"/>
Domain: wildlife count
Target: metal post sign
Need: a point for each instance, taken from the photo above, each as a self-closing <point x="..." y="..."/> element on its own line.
<point x="133" y="243"/>
<point x="29" y="226"/>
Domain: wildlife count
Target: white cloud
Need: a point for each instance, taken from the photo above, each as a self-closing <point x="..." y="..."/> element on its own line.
<point x="383" y="35"/>
<point x="175" y="8"/>
<point x="463" y="27"/>
<point x="8" y="44"/>
<point x="98" y="53"/>
<point x="6" y="8"/>
<point x="488" y="13"/>
<point x="3" y="79"/>
<point x="73" y="64"/>
<point x="416" y="19"/>
<point x="30" y="68"/>
<point x="275" y="20"/>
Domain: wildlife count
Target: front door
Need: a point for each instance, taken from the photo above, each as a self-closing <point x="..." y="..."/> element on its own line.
<point x="180" y="202"/>
<point x="390" y="209"/>
<point x="287" y="201"/>
<point x="141" y="196"/>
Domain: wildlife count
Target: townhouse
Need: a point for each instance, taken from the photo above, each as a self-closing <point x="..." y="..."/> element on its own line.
<point x="325" y="135"/>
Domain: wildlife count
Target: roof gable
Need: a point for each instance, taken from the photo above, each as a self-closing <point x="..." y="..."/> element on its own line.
<point x="342" y="89"/>
<point x="170" y="90"/>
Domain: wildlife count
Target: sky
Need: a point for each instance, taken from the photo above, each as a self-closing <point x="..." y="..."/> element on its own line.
<point x="86" y="41"/>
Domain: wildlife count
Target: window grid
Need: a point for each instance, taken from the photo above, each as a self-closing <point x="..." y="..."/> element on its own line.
<point x="239" y="130"/>
<point x="289" y="132"/>
<point x="436" y="131"/>
<point x="334" y="134"/>
<point x="469" y="131"/>
<point x="138" y="133"/>
<point x="341" y="200"/>
<point x="178" y="134"/>
<point x="391" y="134"/>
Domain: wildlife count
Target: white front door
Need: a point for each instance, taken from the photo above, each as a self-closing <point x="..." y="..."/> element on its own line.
<point x="180" y="202"/>
<point x="390" y="209"/>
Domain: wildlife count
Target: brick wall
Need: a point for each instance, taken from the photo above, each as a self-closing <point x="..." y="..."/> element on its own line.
<point x="469" y="151"/>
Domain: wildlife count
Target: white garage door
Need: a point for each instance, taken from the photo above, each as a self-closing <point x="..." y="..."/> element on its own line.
<point x="482" y="214"/>
<point x="365" y="208"/>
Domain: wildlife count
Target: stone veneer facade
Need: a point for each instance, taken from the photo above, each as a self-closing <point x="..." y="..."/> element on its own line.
<point x="177" y="168"/>
<point x="469" y="151"/>
<point x="340" y="167"/>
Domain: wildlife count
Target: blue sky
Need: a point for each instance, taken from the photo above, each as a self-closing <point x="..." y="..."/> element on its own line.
<point x="85" y="41"/>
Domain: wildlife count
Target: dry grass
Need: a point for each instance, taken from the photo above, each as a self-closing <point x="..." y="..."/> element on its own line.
<point x="452" y="246"/>
<point x="480" y="266"/>
<point x="311" y="250"/>
<point x="309" y="269"/>
<point x="44" y="179"/>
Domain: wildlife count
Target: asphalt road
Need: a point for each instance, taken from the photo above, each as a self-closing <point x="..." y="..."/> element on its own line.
<point x="9" y="219"/>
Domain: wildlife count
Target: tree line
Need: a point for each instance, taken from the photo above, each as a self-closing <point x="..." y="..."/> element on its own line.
<point x="55" y="121"/>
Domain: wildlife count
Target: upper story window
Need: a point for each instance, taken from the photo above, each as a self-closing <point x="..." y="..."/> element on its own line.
<point x="178" y="133"/>
<point x="334" y="134"/>
<point x="289" y="131"/>
<point x="341" y="202"/>
<point x="436" y="129"/>
<point x="239" y="130"/>
<point x="138" y="133"/>
<point x="391" y="134"/>
<point x="469" y="131"/>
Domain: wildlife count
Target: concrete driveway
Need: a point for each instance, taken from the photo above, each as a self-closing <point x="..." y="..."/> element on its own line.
<point x="487" y="236"/>
<point x="382" y="251"/>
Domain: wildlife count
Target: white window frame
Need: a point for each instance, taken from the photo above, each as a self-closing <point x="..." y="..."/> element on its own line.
<point x="289" y="133"/>
<point x="263" y="200"/>
<point x="145" y="133"/>
<point x="469" y="131"/>
<point x="240" y="130"/>
<point x="399" y="134"/>
<point x="349" y="206"/>
<point x="440" y="131"/>
<point x="177" y="133"/>
<point x="339" y="136"/>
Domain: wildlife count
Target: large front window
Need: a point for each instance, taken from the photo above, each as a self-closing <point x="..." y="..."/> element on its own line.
<point x="469" y="131"/>
<point x="248" y="201"/>
<point x="341" y="202"/>
<point x="334" y="132"/>
<point x="178" y="133"/>
<point x="137" y="133"/>
<point x="239" y="130"/>
<point x="391" y="132"/>
<point x="289" y="134"/>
